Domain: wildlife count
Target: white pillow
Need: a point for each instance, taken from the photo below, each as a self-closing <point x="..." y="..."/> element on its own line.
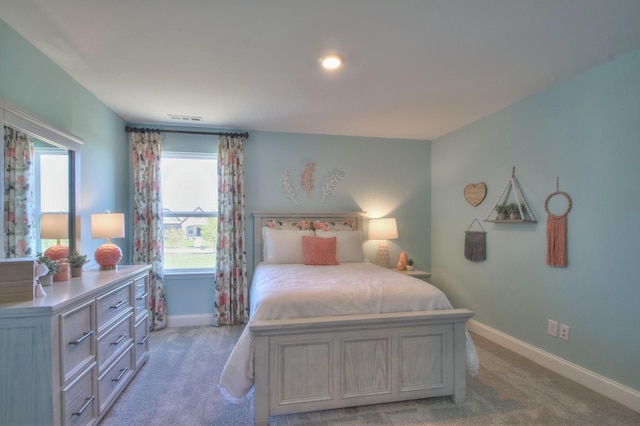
<point x="282" y="246"/>
<point x="349" y="245"/>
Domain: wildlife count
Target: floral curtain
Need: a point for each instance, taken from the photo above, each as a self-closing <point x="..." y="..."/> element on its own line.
<point x="231" y="289"/>
<point x="147" y="218"/>
<point x="19" y="195"/>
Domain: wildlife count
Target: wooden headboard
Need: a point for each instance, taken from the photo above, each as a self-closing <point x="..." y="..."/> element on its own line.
<point x="260" y="219"/>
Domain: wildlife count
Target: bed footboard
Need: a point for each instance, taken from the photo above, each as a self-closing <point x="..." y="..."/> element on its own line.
<point x="315" y="364"/>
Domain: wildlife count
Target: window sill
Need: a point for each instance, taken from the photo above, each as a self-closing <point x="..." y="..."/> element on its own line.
<point x="190" y="273"/>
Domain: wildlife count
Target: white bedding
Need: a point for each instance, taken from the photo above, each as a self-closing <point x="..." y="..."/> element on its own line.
<point x="298" y="291"/>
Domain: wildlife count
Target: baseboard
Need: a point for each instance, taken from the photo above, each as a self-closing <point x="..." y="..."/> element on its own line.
<point x="189" y="320"/>
<point x="600" y="384"/>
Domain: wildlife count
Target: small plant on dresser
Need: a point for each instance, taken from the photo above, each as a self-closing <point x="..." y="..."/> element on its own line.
<point x="76" y="262"/>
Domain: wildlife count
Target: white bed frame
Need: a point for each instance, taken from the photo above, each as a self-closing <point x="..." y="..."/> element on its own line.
<point x="312" y="364"/>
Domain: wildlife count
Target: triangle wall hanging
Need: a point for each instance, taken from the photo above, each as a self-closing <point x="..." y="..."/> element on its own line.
<point x="517" y="212"/>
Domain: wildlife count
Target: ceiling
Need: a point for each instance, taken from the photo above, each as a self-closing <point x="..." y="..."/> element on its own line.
<point x="413" y="69"/>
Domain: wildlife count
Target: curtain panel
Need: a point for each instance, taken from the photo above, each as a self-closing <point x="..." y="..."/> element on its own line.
<point x="19" y="195"/>
<point x="147" y="218"/>
<point x="231" y="289"/>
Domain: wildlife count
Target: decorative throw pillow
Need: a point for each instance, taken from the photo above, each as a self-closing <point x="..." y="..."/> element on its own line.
<point x="323" y="225"/>
<point x="319" y="251"/>
<point x="282" y="246"/>
<point x="349" y="245"/>
<point x="297" y="225"/>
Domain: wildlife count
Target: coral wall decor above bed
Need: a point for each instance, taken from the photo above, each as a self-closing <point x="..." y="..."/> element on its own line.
<point x="291" y="191"/>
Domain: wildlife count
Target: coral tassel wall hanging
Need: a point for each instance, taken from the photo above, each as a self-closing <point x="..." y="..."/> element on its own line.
<point x="557" y="231"/>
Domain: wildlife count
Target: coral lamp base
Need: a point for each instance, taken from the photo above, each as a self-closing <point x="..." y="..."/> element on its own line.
<point x="57" y="252"/>
<point x="108" y="255"/>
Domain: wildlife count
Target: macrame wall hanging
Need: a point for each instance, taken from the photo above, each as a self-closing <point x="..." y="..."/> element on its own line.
<point x="557" y="231"/>
<point x="475" y="243"/>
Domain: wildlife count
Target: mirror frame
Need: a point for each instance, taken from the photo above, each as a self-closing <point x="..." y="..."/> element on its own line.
<point x="13" y="117"/>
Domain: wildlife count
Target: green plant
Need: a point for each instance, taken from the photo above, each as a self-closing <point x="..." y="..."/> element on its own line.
<point x="53" y="265"/>
<point x="513" y="208"/>
<point x="410" y="262"/>
<point x="502" y="208"/>
<point x="77" y="260"/>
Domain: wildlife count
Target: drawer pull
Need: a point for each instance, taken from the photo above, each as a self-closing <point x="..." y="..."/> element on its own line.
<point x="123" y="371"/>
<point x="120" y="339"/>
<point x="144" y="339"/>
<point x="143" y="296"/>
<point x="83" y="338"/>
<point x="87" y="402"/>
<point x="117" y="305"/>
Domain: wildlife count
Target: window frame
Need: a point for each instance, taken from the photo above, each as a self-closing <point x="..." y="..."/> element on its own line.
<point x="182" y="214"/>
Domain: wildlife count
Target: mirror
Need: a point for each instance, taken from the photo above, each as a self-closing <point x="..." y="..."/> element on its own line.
<point x="57" y="155"/>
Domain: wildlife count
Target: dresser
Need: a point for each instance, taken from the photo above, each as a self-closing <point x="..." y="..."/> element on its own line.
<point x="66" y="357"/>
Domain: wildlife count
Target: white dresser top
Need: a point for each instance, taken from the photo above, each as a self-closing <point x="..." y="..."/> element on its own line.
<point x="63" y="293"/>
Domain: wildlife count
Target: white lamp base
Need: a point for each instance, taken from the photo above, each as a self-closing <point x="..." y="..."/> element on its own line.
<point x="382" y="257"/>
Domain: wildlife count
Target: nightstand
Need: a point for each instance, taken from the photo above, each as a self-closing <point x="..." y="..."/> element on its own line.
<point x="416" y="273"/>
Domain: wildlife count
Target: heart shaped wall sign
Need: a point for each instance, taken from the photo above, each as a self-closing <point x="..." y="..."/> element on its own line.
<point x="474" y="193"/>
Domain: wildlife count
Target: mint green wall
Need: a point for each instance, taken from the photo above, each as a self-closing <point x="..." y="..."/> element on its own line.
<point x="33" y="83"/>
<point x="383" y="177"/>
<point x="586" y="131"/>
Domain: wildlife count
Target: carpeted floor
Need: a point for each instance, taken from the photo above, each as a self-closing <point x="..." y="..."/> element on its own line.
<point x="178" y="386"/>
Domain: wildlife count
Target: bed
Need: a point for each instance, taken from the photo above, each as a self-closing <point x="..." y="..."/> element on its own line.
<point x="330" y="330"/>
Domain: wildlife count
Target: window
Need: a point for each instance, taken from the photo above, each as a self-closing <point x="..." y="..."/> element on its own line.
<point x="190" y="204"/>
<point x="51" y="194"/>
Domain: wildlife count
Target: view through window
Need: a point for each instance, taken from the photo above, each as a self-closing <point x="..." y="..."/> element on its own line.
<point x="52" y="187"/>
<point x="190" y="204"/>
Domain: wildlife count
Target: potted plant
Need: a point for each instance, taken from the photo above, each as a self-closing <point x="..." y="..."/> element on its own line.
<point x="76" y="262"/>
<point x="502" y="210"/>
<point x="410" y="266"/>
<point x="514" y="211"/>
<point x="52" y="265"/>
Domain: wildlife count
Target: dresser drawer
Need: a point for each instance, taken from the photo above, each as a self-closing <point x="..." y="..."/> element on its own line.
<point x="115" y="340"/>
<point x="141" y="291"/>
<point x="79" y="399"/>
<point x="141" y="340"/>
<point x="114" y="379"/>
<point x="112" y="305"/>
<point x="77" y="340"/>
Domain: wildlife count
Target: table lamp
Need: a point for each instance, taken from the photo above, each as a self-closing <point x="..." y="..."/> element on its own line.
<point x="55" y="226"/>
<point x="107" y="225"/>
<point x="383" y="229"/>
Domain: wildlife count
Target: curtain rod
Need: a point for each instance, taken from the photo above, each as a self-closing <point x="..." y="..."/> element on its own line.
<point x="190" y="132"/>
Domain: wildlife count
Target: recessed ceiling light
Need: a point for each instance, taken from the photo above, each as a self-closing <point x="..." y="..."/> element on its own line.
<point x="331" y="62"/>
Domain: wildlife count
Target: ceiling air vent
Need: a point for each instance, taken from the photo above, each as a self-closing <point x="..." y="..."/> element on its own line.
<point x="184" y="117"/>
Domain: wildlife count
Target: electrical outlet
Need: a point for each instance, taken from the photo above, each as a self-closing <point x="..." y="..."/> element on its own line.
<point x="552" y="328"/>
<point x="564" y="332"/>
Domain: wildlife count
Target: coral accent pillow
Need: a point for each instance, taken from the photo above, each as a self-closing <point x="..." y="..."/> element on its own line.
<point x="319" y="251"/>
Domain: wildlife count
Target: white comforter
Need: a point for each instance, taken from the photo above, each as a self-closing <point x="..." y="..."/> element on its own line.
<point x="298" y="291"/>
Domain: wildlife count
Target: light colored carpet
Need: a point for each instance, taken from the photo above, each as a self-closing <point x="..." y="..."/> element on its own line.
<point x="178" y="386"/>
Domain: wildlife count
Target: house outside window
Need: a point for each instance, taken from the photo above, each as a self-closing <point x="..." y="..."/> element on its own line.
<point x="190" y="204"/>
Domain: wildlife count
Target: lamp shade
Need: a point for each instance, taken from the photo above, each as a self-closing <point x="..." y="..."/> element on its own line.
<point x="54" y="226"/>
<point x="107" y="225"/>
<point x="383" y="229"/>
